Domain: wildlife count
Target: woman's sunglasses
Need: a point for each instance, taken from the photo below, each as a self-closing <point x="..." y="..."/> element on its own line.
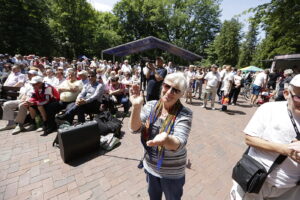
<point x="173" y="90"/>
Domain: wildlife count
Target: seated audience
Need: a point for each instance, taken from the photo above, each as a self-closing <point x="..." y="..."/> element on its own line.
<point x="88" y="101"/>
<point x="43" y="95"/>
<point x="9" y="107"/>
<point x="15" y="78"/>
<point x="117" y="91"/>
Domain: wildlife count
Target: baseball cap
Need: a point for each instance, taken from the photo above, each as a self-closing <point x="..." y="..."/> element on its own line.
<point x="82" y="72"/>
<point x="295" y="81"/>
<point x="33" y="72"/>
<point x="36" y="79"/>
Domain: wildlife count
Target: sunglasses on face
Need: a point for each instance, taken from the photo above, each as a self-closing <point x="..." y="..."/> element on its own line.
<point x="91" y="76"/>
<point x="173" y="90"/>
<point x="296" y="98"/>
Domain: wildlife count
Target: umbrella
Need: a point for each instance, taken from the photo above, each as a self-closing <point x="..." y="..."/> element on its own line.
<point x="251" y="69"/>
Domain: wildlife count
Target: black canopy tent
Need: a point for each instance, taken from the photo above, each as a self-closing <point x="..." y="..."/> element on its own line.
<point x="282" y="62"/>
<point x="150" y="43"/>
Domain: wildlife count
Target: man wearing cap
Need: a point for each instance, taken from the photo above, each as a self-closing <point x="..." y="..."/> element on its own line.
<point x="15" y="78"/>
<point x="10" y="106"/>
<point x="286" y="79"/>
<point x="43" y="95"/>
<point x="155" y="77"/>
<point x="272" y="131"/>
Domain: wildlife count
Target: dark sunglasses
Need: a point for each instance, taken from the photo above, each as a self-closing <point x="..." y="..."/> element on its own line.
<point x="173" y="90"/>
<point x="296" y="98"/>
<point x="91" y="76"/>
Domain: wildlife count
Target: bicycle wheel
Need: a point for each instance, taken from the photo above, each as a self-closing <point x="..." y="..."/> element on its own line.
<point x="247" y="92"/>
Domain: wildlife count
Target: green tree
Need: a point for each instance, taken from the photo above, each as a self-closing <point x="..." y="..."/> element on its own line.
<point x="72" y="23"/>
<point x="226" y="45"/>
<point x="280" y="19"/>
<point x="248" y="47"/>
<point x="191" y="24"/>
<point x="24" y="27"/>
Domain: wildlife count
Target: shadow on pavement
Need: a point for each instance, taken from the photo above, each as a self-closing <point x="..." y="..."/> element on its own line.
<point x="235" y="112"/>
<point x="244" y="106"/>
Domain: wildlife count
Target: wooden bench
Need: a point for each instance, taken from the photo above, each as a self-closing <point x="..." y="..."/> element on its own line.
<point x="9" y="93"/>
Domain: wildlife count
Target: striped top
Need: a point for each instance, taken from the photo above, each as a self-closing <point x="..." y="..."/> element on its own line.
<point x="174" y="162"/>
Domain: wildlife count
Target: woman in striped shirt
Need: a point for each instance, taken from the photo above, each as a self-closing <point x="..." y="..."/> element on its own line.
<point x="165" y="126"/>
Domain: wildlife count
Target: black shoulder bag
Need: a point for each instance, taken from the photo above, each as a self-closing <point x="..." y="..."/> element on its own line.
<point x="250" y="174"/>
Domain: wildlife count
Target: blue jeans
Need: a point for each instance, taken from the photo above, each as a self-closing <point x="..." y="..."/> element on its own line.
<point x="172" y="188"/>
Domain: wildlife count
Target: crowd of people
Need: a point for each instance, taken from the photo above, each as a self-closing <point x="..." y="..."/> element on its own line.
<point x="79" y="86"/>
<point x="84" y="86"/>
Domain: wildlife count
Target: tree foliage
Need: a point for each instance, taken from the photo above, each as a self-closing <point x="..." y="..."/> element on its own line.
<point x="248" y="47"/>
<point x="72" y="28"/>
<point x="24" y="27"/>
<point x="225" y="47"/>
<point x="190" y="24"/>
<point x="280" y="19"/>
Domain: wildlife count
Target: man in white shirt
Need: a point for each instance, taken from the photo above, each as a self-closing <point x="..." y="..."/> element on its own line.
<point x="259" y="83"/>
<point x="15" y="78"/>
<point x="211" y="81"/>
<point x="126" y="67"/>
<point x="10" y="106"/>
<point x="227" y="82"/>
<point x="270" y="133"/>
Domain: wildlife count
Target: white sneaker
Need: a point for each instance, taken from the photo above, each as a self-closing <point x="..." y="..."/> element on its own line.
<point x="203" y="106"/>
<point x="18" y="129"/>
<point x="213" y="108"/>
<point x="8" y="127"/>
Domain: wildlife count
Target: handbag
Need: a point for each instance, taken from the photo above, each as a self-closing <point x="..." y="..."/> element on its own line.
<point x="250" y="174"/>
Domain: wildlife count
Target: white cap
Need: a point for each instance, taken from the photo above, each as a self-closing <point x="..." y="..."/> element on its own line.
<point x="295" y="81"/>
<point x="36" y="79"/>
<point x="82" y="72"/>
<point x="33" y="72"/>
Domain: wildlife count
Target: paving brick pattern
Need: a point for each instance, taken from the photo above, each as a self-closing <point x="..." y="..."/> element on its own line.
<point x="30" y="168"/>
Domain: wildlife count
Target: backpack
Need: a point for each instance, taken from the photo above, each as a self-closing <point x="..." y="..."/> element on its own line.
<point x="107" y="123"/>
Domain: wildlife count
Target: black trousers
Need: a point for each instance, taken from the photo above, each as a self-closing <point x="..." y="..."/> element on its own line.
<point x="80" y="110"/>
<point x="54" y="108"/>
<point x="233" y="95"/>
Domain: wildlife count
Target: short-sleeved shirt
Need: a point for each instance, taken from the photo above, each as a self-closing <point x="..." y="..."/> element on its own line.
<point x="271" y="122"/>
<point x="226" y="83"/>
<point x="260" y="79"/>
<point x="154" y="86"/>
<point x="212" y="79"/>
<point x="173" y="165"/>
<point x="14" y="78"/>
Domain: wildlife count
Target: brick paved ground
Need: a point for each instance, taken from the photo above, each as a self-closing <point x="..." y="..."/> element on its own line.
<point x="30" y="168"/>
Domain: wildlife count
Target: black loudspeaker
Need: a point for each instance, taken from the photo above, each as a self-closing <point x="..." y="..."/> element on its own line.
<point x="76" y="141"/>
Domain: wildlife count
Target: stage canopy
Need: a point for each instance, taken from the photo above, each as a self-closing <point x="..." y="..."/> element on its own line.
<point x="151" y="43"/>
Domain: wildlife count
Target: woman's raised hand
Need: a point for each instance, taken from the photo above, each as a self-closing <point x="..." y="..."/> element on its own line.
<point x="136" y="96"/>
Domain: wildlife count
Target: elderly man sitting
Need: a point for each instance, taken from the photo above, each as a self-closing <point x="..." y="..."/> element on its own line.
<point x="10" y="106"/>
<point x="15" y="78"/>
<point x="88" y="101"/>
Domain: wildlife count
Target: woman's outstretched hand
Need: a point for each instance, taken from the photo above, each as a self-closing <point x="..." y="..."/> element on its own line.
<point x="158" y="140"/>
<point x="136" y="96"/>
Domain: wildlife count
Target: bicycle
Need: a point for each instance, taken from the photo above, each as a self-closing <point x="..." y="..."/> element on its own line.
<point x="246" y="91"/>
